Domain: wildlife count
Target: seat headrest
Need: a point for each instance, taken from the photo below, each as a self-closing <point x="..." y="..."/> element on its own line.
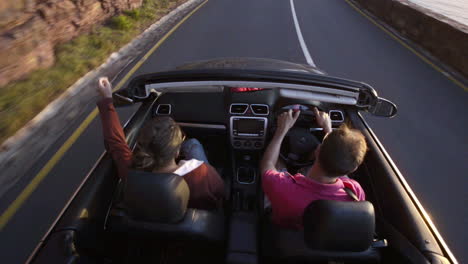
<point x="159" y="197"/>
<point x="338" y="225"/>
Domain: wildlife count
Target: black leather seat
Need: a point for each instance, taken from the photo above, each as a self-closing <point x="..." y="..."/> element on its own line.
<point x="155" y="205"/>
<point x="333" y="231"/>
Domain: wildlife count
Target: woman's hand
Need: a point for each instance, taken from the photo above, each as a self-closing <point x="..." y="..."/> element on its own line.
<point x="104" y="87"/>
<point x="286" y="120"/>
<point x="323" y="120"/>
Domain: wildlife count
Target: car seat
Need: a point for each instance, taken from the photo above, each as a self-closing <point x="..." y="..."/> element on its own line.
<point x="333" y="231"/>
<point x="154" y="205"/>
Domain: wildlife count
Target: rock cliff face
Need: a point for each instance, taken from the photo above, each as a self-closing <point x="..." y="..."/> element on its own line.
<point x="29" y="29"/>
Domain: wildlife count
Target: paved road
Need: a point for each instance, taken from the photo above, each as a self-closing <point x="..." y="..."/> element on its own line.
<point x="427" y="139"/>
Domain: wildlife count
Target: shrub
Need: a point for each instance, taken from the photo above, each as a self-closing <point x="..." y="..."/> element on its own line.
<point x="134" y="14"/>
<point x="121" y="22"/>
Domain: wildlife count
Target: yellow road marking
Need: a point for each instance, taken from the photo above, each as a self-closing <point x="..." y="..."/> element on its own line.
<point x="31" y="187"/>
<point x="437" y="68"/>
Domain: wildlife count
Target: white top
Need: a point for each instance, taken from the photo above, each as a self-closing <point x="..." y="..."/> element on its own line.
<point x="186" y="166"/>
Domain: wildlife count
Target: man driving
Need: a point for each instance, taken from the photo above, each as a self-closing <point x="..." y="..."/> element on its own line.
<point x="341" y="153"/>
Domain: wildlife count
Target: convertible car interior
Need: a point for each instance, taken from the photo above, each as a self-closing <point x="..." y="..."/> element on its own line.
<point x="145" y="219"/>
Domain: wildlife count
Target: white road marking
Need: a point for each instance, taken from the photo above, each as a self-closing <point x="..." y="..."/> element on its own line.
<point x="299" y="36"/>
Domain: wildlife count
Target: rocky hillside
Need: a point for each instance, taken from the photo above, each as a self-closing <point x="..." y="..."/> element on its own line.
<point x="29" y="29"/>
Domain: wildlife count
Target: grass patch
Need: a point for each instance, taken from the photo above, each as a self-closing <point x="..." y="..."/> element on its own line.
<point x="22" y="100"/>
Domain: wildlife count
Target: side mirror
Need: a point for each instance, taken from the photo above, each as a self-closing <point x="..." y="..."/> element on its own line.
<point x="384" y="108"/>
<point x="120" y="100"/>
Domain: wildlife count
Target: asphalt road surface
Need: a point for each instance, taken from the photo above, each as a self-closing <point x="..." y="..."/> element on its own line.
<point x="427" y="140"/>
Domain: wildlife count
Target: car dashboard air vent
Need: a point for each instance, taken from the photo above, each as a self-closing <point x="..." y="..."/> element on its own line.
<point x="164" y="109"/>
<point x="336" y="116"/>
<point x="260" y="109"/>
<point x="238" y="109"/>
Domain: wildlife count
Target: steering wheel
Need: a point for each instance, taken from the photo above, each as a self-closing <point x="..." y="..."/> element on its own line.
<point x="299" y="142"/>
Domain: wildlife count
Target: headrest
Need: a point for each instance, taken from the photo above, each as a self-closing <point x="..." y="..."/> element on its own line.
<point x="157" y="197"/>
<point x="338" y="225"/>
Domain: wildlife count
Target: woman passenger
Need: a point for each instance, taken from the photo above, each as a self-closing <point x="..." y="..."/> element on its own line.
<point x="160" y="142"/>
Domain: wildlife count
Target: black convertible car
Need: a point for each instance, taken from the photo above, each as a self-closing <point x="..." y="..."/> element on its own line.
<point x="231" y="105"/>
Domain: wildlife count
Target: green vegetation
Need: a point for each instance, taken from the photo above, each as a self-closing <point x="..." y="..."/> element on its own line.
<point x="22" y="100"/>
<point x="122" y="22"/>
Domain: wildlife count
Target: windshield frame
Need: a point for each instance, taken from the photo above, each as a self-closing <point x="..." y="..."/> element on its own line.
<point x="364" y="94"/>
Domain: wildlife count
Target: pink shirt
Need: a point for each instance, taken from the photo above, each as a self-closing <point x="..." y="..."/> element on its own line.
<point x="291" y="194"/>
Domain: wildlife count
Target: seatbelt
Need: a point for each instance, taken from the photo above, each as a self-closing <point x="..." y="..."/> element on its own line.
<point x="351" y="193"/>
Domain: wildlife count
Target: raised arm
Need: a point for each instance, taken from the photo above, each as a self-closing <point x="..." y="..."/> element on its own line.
<point x="285" y="121"/>
<point x="114" y="137"/>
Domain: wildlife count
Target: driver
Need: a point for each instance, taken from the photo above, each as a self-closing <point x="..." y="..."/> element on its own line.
<point x="341" y="153"/>
<point x="159" y="142"/>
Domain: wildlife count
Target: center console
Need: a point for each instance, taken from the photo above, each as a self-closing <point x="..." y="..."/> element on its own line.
<point x="248" y="130"/>
<point x="246" y="194"/>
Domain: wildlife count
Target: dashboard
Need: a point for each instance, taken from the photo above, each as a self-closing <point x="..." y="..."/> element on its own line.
<point x="248" y="118"/>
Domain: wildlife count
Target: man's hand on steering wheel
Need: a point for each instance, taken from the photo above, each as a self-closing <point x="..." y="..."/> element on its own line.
<point x="286" y="120"/>
<point x="323" y="120"/>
